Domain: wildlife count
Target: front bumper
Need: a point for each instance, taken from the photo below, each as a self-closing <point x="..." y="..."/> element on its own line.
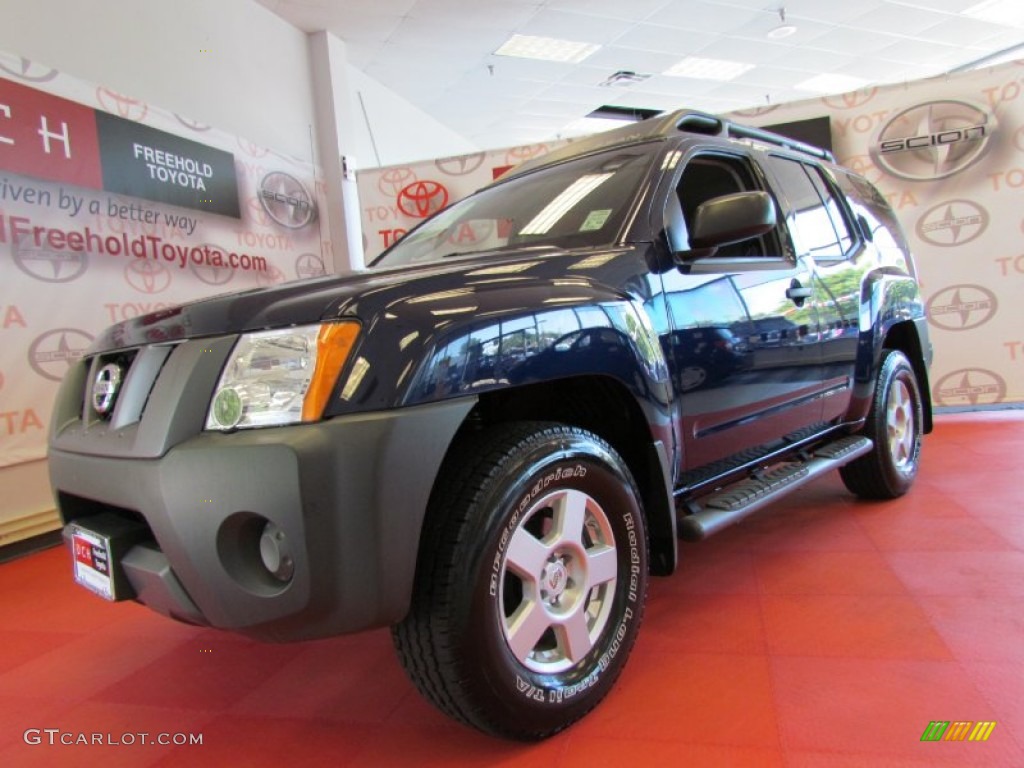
<point x="348" y="495"/>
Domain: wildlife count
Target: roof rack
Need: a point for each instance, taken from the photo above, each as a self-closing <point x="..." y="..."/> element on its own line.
<point x="665" y="124"/>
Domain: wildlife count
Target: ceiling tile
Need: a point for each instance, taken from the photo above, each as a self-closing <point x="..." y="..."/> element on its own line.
<point x="634" y="10"/>
<point x="898" y="19"/>
<point x="574" y="26"/>
<point x="649" y="37"/>
<point x="704" y="17"/>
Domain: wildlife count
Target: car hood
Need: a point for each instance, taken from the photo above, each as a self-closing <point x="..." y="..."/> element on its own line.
<point x="300" y="302"/>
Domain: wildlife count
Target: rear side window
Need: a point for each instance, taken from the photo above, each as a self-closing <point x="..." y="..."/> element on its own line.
<point x="816" y="219"/>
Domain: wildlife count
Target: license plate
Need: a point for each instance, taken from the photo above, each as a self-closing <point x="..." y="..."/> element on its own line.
<point x="92" y="559"/>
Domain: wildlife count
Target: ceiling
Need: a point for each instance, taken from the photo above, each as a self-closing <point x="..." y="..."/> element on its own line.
<point x="439" y="54"/>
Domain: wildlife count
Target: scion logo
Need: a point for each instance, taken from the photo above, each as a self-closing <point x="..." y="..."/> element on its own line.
<point x="851" y="100"/>
<point x="422" y="198"/>
<point x="391" y="181"/>
<point x="119" y="104"/>
<point x="49" y="266"/>
<point x="460" y="166"/>
<point x="30" y="71"/>
<point x="147" y="276"/>
<point x="212" y="275"/>
<point x="952" y="223"/>
<point x="309" y="265"/>
<point x="54" y="352"/>
<point x="962" y="307"/>
<point x="970" y="386"/>
<point x="286" y="201"/>
<point x="933" y="140"/>
<point x="258" y="213"/>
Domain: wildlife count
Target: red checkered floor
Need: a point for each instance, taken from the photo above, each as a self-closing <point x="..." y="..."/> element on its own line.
<point x="824" y="632"/>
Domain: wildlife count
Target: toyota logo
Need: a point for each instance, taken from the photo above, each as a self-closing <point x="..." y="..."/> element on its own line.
<point x="517" y="155"/>
<point x="422" y="198"/>
<point x="391" y="181"/>
<point x="212" y="275"/>
<point x="116" y="103"/>
<point x="952" y="223"/>
<point x="933" y="140"/>
<point x="962" y="307"/>
<point x="105" y="388"/>
<point x="970" y="386"/>
<point x="285" y="200"/>
<point x="460" y="166"/>
<point x="850" y="100"/>
<point x="30" y="71"/>
<point x="147" y="276"/>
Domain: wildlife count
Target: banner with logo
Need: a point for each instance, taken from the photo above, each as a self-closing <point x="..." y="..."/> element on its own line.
<point x="397" y="198"/>
<point x="948" y="154"/>
<point x="111" y="208"/>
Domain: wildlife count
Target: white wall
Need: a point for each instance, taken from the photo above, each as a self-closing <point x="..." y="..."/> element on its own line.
<point x="402" y="132"/>
<point x="253" y="82"/>
<point x="231" y="64"/>
<point x="228" y="63"/>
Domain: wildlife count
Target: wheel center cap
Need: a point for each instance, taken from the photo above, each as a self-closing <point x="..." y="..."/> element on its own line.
<point x="555" y="578"/>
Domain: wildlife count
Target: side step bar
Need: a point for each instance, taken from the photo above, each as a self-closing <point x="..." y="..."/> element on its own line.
<point x="735" y="502"/>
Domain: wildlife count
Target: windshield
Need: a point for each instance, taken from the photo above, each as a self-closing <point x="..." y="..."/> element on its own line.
<point x="576" y="204"/>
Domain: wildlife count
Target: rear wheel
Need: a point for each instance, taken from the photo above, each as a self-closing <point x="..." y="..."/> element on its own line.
<point x="894" y="424"/>
<point x="530" y="583"/>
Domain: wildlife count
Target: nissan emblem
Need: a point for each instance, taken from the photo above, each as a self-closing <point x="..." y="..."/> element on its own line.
<point x="104" y="389"/>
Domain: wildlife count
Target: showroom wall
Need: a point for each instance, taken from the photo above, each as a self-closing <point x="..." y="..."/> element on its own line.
<point x="191" y="68"/>
<point x="947" y="152"/>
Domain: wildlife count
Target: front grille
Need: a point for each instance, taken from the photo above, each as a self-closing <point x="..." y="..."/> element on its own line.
<point x="137" y="369"/>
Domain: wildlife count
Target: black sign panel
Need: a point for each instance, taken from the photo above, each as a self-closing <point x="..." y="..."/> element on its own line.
<point x="145" y="162"/>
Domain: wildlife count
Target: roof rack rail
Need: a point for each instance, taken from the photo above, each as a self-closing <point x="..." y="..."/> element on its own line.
<point x="663" y="125"/>
<point x="710" y="125"/>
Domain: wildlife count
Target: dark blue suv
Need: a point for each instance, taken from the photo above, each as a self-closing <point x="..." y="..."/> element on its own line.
<point x="665" y="328"/>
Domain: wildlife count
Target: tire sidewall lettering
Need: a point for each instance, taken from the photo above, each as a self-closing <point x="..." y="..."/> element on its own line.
<point x="507" y="673"/>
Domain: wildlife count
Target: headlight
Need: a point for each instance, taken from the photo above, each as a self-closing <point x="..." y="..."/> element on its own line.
<point x="280" y="377"/>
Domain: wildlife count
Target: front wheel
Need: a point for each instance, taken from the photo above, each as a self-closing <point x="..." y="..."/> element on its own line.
<point x="530" y="583"/>
<point x="894" y="424"/>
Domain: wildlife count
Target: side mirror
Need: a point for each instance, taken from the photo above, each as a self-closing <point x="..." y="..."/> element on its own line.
<point x="731" y="219"/>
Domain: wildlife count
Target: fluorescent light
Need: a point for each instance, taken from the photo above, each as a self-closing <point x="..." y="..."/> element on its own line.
<point x="552" y="213"/>
<point x="826" y="83"/>
<point x="708" y="69"/>
<point x="998" y="12"/>
<point x="546" y="48"/>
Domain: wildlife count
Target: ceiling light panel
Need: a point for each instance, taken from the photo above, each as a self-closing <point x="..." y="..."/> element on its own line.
<point x="546" y="49"/>
<point x="831" y="83"/>
<point x="998" y="12"/>
<point x="708" y="69"/>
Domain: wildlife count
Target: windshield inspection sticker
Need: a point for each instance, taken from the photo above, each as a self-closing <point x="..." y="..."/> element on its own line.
<point x="595" y="219"/>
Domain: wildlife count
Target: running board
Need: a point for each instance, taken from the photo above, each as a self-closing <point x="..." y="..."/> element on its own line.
<point x="735" y="502"/>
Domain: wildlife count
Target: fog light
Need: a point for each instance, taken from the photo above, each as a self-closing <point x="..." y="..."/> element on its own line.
<point x="276" y="553"/>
